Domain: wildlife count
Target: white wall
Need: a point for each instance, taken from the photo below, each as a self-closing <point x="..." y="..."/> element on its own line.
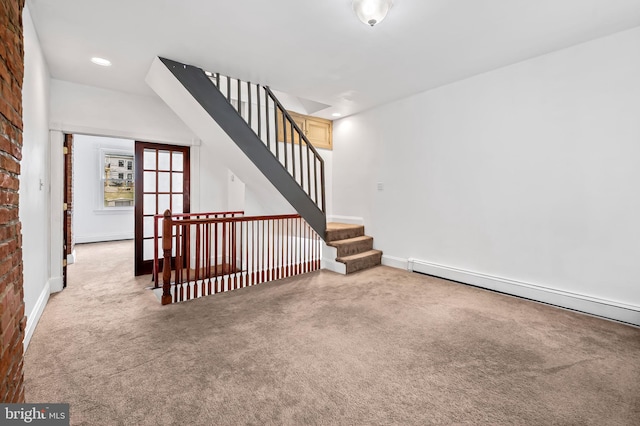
<point x="212" y="196"/>
<point x="91" y="221"/>
<point x="90" y="110"/>
<point x="527" y="174"/>
<point x="34" y="178"/>
<point x="256" y="205"/>
<point x="77" y="108"/>
<point x="235" y="192"/>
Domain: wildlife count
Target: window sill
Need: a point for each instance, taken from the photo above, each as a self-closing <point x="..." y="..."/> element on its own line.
<point x="114" y="210"/>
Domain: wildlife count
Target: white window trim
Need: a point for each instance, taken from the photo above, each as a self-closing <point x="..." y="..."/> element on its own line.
<point x="100" y="207"/>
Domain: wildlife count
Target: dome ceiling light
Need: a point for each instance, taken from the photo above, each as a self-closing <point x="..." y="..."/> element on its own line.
<point x="371" y="12"/>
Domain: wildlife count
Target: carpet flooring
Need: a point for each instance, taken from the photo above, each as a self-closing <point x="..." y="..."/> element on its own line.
<point x="380" y="346"/>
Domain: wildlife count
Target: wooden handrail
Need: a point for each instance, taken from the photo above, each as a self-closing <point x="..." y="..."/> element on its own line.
<point x="253" y="249"/>
<point x="230" y="213"/>
<point x="235" y="219"/>
<point x="174" y="217"/>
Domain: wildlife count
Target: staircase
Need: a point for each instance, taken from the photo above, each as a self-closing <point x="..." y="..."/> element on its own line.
<point x="254" y="134"/>
<point x="264" y="138"/>
<point x="354" y="249"/>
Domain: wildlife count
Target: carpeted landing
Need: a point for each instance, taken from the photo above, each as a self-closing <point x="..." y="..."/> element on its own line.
<point x="381" y="346"/>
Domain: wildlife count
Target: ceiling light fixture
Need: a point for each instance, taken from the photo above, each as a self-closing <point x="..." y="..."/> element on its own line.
<point x="101" y="61"/>
<point x="336" y="114"/>
<point x="371" y="12"/>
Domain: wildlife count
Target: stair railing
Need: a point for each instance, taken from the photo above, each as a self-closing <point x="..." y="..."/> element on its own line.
<point x="213" y="255"/>
<point x="274" y="126"/>
<point x="177" y="216"/>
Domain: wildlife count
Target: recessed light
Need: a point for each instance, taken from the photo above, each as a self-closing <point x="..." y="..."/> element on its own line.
<point x="101" y="61"/>
<point x="336" y="114"/>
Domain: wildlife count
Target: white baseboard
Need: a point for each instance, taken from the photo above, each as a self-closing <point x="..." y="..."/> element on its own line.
<point x="71" y="258"/>
<point x="328" y="252"/>
<point x="579" y="302"/>
<point x="395" y="262"/>
<point x="352" y="220"/>
<point x="328" y="260"/>
<point x="55" y="284"/>
<point x="83" y="239"/>
<point x="332" y="265"/>
<point x="34" y="316"/>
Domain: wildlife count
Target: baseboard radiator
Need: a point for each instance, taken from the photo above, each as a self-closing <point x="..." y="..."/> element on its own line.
<point x="574" y="301"/>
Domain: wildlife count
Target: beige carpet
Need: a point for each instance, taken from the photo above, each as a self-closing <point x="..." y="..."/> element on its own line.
<point x="381" y="346"/>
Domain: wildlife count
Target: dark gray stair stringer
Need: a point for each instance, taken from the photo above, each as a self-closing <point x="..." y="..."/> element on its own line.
<point x="219" y="109"/>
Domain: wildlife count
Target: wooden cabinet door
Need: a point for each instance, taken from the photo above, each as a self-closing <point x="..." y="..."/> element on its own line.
<point x="318" y="131"/>
<point x="284" y="135"/>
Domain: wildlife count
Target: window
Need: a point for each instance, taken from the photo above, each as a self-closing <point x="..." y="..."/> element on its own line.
<point x="118" y="192"/>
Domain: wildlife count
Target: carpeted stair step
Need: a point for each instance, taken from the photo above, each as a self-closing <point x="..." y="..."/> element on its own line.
<point x="352" y="246"/>
<point x="357" y="262"/>
<point x="342" y="231"/>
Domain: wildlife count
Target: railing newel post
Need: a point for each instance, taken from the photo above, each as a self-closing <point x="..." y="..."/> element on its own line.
<point x="156" y="262"/>
<point x="167" y="226"/>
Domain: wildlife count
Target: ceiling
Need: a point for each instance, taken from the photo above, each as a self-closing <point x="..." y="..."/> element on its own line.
<point x="317" y="50"/>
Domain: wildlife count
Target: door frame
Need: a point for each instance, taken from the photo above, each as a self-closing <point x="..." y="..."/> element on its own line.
<point x="56" y="182"/>
<point x="67" y="204"/>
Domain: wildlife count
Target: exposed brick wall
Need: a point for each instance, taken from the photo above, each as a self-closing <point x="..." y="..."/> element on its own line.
<point x="12" y="319"/>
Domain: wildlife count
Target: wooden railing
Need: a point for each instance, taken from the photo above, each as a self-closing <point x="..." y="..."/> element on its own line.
<point x="270" y="121"/>
<point x="177" y="216"/>
<point x="213" y="255"/>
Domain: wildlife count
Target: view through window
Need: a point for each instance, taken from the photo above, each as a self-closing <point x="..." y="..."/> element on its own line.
<point x="118" y="180"/>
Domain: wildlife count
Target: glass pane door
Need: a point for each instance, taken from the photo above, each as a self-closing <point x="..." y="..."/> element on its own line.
<point x="162" y="184"/>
